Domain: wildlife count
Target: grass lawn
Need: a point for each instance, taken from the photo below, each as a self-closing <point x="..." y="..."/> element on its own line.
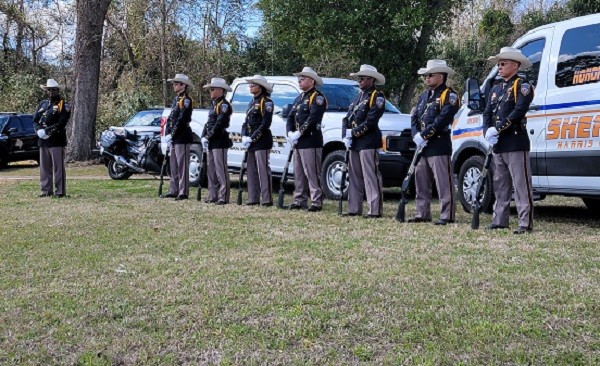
<point x="113" y="275"/>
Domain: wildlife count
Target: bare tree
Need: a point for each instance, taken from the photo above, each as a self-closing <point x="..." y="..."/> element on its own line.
<point x="88" y="47"/>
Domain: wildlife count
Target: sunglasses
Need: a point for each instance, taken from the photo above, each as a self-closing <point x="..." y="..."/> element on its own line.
<point x="363" y="78"/>
<point x="425" y="76"/>
<point x="177" y="83"/>
<point x="53" y="89"/>
<point x="252" y="85"/>
<point x="504" y="63"/>
<point x="213" y="89"/>
<point x="301" y="78"/>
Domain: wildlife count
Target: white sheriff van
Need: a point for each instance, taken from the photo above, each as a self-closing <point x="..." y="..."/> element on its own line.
<point x="394" y="158"/>
<point x="563" y="120"/>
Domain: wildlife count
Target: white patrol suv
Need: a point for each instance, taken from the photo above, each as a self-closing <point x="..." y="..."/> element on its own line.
<point x="563" y="120"/>
<point x="394" y="157"/>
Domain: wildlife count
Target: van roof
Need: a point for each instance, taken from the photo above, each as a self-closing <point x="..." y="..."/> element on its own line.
<point x="566" y="23"/>
<point x="294" y="79"/>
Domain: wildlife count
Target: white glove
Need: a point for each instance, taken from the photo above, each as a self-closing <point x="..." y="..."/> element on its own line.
<point x="419" y="140"/>
<point x="289" y="134"/>
<point x="168" y="139"/>
<point x="295" y="136"/>
<point x="42" y="134"/>
<point x="204" y="142"/>
<point x="246" y="141"/>
<point x="492" y="135"/>
<point x="348" y="142"/>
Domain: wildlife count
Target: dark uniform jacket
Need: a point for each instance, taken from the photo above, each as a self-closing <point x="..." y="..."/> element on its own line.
<point x="306" y="117"/>
<point x="52" y="115"/>
<point x="432" y="118"/>
<point x="258" y="123"/>
<point x="215" y="129"/>
<point x="179" y="120"/>
<point x="506" y="107"/>
<point x="368" y="107"/>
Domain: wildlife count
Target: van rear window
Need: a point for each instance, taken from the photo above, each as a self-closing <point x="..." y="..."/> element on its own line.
<point x="579" y="57"/>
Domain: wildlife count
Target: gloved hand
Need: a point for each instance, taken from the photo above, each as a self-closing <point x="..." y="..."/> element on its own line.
<point x="295" y="137"/>
<point x="419" y="140"/>
<point x="491" y="135"/>
<point x="42" y="134"/>
<point x="246" y="141"/>
<point x="348" y="141"/>
<point x="204" y="142"/>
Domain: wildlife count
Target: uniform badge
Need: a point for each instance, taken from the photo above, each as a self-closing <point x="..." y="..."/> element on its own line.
<point x="186" y="103"/>
<point x="413" y="111"/>
<point x="525" y="88"/>
<point x="67" y="107"/>
<point x="320" y="100"/>
<point x="494" y="96"/>
<point x="453" y="98"/>
<point x="269" y="106"/>
<point x="224" y="107"/>
<point x="380" y="102"/>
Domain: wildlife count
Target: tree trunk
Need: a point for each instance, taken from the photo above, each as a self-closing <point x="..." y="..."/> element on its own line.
<point x="88" y="47"/>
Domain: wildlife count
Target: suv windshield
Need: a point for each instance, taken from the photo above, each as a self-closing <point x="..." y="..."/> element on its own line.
<point x="145" y="118"/>
<point x="339" y="97"/>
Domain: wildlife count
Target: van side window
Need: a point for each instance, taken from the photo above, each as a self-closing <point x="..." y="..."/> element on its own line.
<point x="533" y="50"/>
<point x="241" y="98"/>
<point x="579" y="57"/>
<point x="283" y="94"/>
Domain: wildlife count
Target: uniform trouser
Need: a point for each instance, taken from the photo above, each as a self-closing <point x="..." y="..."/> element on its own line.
<point x="52" y="170"/>
<point x="513" y="169"/>
<point x="180" y="169"/>
<point x="259" y="177"/>
<point x="218" y="176"/>
<point x="365" y="179"/>
<point x="439" y="168"/>
<point x="307" y="172"/>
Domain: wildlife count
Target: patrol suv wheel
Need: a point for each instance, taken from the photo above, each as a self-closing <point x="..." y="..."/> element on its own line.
<point x="468" y="177"/>
<point x="118" y="172"/>
<point x="331" y="175"/>
<point x="194" y="167"/>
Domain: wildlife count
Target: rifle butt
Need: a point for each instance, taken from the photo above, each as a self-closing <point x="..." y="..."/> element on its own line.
<point x="401" y="214"/>
<point x="475" y="218"/>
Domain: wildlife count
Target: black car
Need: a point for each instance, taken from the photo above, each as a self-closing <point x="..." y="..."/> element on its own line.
<point x="18" y="139"/>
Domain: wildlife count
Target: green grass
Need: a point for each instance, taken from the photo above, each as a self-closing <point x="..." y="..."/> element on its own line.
<point x="114" y="276"/>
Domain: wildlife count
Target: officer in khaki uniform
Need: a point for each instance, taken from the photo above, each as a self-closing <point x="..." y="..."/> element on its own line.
<point x="504" y="125"/>
<point x="215" y="142"/>
<point x="431" y="120"/>
<point x="304" y="131"/>
<point x="50" y="121"/>
<point x="180" y="137"/>
<point x="363" y="139"/>
<point x="258" y="139"/>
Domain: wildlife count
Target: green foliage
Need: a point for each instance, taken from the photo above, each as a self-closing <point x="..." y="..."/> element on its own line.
<point x="22" y="92"/>
<point x="583" y="7"/>
<point x="496" y="29"/>
<point x="536" y="18"/>
<point x="116" y="107"/>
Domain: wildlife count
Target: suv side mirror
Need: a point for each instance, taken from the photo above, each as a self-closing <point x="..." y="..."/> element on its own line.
<point x="474" y="98"/>
<point x="285" y="112"/>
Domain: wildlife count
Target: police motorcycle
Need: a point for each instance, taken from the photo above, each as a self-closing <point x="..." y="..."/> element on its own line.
<point x="128" y="153"/>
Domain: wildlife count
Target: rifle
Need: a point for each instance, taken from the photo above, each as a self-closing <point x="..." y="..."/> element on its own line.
<point x="480" y="183"/>
<point x="343" y="181"/>
<point x="200" y="171"/>
<point x="162" y="172"/>
<point x="242" y="171"/>
<point x="401" y="214"/>
<point x="284" y="178"/>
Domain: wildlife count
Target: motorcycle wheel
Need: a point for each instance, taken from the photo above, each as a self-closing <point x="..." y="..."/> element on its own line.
<point x="118" y="172"/>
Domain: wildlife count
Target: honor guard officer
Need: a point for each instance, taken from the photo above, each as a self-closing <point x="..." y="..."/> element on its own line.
<point x="50" y="121"/>
<point x="180" y="137"/>
<point x="504" y="125"/>
<point x="363" y="139"/>
<point x="216" y="142"/>
<point x="258" y="139"/>
<point x="304" y="131"/>
<point x="431" y="120"/>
